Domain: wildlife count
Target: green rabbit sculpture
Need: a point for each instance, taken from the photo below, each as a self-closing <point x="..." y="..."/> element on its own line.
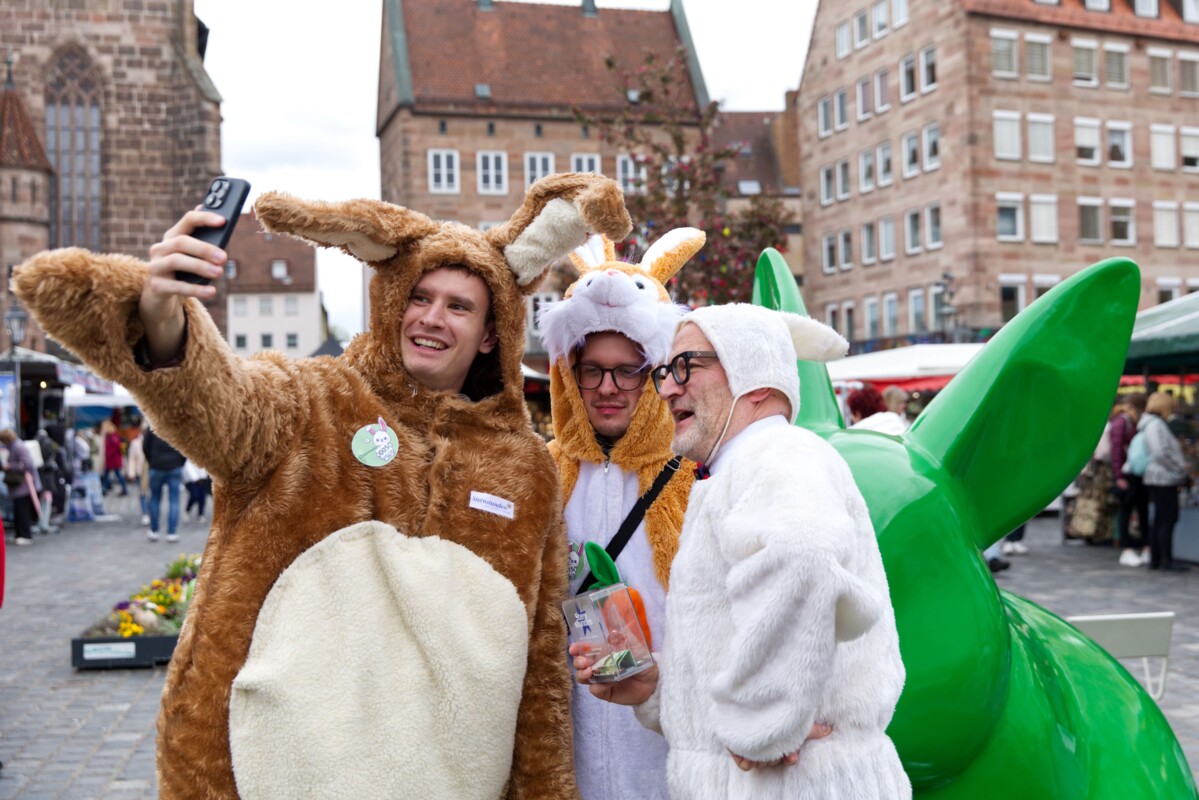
<point x="1003" y="699"/>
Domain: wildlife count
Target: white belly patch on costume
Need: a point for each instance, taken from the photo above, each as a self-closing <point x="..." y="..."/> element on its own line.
<point x="381" y="666"/>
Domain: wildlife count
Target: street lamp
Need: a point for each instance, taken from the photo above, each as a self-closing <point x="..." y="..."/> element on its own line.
<point x="15" y="319"/>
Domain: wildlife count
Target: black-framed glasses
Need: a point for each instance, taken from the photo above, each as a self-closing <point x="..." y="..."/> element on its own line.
<point x="679" y="367"/>
<point x="626" y="376"/>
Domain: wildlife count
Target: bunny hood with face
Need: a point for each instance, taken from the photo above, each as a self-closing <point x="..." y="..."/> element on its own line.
<point x="364" y="625"/>
<point x="631" y="299"/>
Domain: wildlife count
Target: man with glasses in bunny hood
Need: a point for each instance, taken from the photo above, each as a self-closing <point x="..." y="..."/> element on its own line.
<point x="779" y="615"/>
<point x="612" y="447"/>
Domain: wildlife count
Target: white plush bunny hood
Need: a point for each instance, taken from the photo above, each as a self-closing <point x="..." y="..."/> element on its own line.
<point x="615" y="296"/>
<point x="759" y="347"/>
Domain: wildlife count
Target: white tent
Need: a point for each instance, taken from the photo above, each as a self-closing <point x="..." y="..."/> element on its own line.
<point x="118" y="399"/>
<point x="932" y="363"/>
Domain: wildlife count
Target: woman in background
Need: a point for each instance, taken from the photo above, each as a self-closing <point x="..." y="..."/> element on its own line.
<point x="1167" y="471"/>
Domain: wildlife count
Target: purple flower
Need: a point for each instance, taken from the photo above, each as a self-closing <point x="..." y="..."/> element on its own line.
<point x="121" y="606"/>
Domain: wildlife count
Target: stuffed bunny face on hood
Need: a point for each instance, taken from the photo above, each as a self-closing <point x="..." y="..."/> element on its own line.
<point x="403" y="246"/>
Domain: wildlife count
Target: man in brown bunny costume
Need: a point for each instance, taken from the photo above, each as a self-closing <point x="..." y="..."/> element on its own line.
<point x="353" y="589"/>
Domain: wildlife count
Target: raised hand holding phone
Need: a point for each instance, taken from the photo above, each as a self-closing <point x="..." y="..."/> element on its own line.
<point x="225" y="196"/>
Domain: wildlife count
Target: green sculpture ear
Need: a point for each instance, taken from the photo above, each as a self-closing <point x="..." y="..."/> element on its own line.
<point x="1020" y="421"/>
<point x="774" y="288"/>
<point x="601" y="565"/>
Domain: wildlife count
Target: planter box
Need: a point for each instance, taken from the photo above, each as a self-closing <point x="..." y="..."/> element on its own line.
<point x="107" y="652"/>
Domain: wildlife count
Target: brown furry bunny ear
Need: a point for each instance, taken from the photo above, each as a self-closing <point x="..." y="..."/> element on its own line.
<point x="370" y="230"/>
<point x="558" y="213"/>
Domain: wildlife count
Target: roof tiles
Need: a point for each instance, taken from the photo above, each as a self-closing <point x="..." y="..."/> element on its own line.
<point x="1121" y="18"/>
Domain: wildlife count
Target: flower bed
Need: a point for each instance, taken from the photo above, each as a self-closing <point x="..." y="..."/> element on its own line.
<point x="142" y="630"/>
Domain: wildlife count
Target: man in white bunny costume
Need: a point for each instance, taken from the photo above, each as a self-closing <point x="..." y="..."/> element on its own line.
<point x="779" y="615"/>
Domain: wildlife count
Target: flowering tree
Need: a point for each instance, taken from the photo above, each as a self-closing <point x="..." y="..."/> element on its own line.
<point x="677" y="181"/>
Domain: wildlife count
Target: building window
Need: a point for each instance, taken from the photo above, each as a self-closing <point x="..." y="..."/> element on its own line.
<point x="585" y="162"/>
<point x="899" y="13"/>
<point x="882" y="90"/>
<point x="1041" y="284"/>
<point x="1098" y="5"/>
<point x="866" y="171"/>
<point x="1086" y="141"/>
<point x="631" y="174"/>
<point x="443" y="171"/>
<point x="865" y="99"/>
<point x="1040" y="138"/>
<point x="1160" y="72"/>
<point x="537" y="166"/>
<point x="828" y="251"/>
<point x="911" y="154"/>
<point x="230" y="267"/>
<point x="861" y="30"/>
<point x="847" y="318"/>
<point x="1165" y="224"/>
<point x="869" y="244"/>
<point x="240" y="307"/>
<point x="491" y="170"/>
<point x="845" y="239"/>
<point x="841" y="110"/>
<point x="872" y="330"/>
<point x="1146" y="8"/>
<point x="1123" y="226"/>
<point x="884" y="164"/>
<point x="917" y="319"/>
<point x="1037" y="59"/>
<point x="843" y="179"/>
<point x="826" y="185"/>
<point x="1115" y="66"/>
<point x="886" y="238"/>
<point x="907" y="78"/>
<point x="932" y="226"/>
<point x="1119" y="144"/>
<point x="1090" y="220"/>
<point x="267" y="341"/>
<point x="831" y="316"/>
<point x="911" y="232"/>
<point x="1189" y="149"/>
<point x="279" y="269"/>
<point x="824" y="115"/>
<point x="890" y="314"/>
<point x="293" y="341"/>
<point x="73" y="145"/>
<point x="1190" y="225"/>
<point x="1011" y="296"/>
<point x="843" y="40"/>
<point x="928" y="69"/>
<point x="1169" y="289"/>
<point x="1042" y="218"/>
<point x="931" y="137"/>
<point x="1006" y="126"/>
<point x="1084" y="63"/>
<point x="1161" y="147"/>
<point x="266" y="306"/>
<point x="880" y="17"/>
<point x="1009" y="217"/>
<point x="1004" y="61"/>
<point x="239" y="341"/>
<point x="291" y="306"/>
<point x="1188" y="74"/>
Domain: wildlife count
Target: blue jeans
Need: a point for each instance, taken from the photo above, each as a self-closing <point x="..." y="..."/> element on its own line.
<point x="172" y="479"/>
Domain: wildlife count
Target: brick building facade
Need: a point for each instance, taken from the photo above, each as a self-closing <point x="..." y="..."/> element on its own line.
<point x="127" y="119"/>
<point x="962" y="157"/>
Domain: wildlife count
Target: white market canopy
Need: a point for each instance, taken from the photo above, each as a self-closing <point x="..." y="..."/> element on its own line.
<point x="917" y="366"/>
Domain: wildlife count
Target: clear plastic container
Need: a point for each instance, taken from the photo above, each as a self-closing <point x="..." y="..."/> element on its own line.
<point x="606" y="620"/>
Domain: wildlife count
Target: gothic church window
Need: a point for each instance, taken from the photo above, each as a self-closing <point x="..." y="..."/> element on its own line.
<point x="73" y="144"/>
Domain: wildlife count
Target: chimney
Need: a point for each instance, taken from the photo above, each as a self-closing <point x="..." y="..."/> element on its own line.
<point x="589" y="9"/>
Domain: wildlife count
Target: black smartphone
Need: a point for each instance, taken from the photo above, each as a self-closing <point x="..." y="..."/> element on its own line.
<point x="225" y="196"/>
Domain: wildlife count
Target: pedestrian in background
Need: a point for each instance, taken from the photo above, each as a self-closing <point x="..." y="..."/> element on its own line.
<point x="1168" y="470"/>
<point x="137" y="472"/>
<point x="113" y="460"/>
<point x="199" y="486"/>
<point x="23" y="485"/>
<point x="1129" y="489"/>
<point x="166" y="471"/>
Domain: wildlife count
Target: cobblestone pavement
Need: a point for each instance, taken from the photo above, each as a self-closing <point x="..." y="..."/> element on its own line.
<point x="90" y="734"/>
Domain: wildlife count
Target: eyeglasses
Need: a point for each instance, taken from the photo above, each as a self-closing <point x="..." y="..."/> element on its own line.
<point x="679" y="367"/>
<point x="625" y="376"/>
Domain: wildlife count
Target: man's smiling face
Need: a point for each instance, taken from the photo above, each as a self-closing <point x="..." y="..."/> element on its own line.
<point x="445" y="325"/>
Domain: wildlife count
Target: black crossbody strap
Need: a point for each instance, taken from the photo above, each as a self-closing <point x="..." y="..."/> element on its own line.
<point x="636" y="513"/>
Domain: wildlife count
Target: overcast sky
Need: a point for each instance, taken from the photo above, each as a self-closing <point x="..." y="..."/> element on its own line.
<point x="299" y="82"/>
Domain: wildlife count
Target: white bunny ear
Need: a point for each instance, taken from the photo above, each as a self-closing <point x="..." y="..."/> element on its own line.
<point x="382" y="424"/>
<point x="814" y="341"/>
<point x="592" y="253"/>
<point x="667" y="255"/>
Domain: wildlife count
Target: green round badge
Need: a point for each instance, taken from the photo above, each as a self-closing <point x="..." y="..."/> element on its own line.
<point x="375" y="445"/>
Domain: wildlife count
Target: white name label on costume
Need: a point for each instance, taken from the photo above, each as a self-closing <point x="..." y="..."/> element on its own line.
<point x="492" y="504"/>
